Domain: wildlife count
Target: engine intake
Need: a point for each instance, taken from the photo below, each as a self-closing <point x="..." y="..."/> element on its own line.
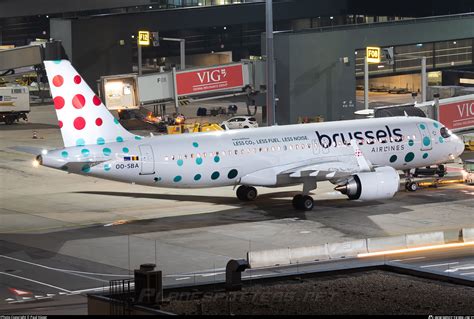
<point x="381" y="184"/>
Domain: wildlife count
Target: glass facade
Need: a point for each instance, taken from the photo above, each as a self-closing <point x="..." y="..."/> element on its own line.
<point x="407" y="58"/>
<point x="193" y="3"/>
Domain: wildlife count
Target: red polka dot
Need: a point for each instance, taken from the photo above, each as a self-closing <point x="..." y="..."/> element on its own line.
<point x="78" y="101"/>
<point x="98" y="121"/>
<point x="58" y="102"/>
<point x="79" y="123"/>
<point x="77" y="79"/>
<point x="60" y="123"/>
<point x="96" y="100"/>
<point x="58" y="80"/>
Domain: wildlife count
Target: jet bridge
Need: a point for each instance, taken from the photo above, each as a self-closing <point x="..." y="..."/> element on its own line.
<point x="20" y="57"/>
<point x="130" y="91"/>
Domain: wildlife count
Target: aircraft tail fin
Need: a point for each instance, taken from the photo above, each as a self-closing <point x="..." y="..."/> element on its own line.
<point x="82" y="117"/>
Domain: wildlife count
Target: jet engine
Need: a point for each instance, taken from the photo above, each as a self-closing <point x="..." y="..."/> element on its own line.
<point x="382" y="183"/>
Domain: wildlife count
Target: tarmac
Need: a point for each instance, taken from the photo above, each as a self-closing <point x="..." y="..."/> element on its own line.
<point x="63" y="234"/>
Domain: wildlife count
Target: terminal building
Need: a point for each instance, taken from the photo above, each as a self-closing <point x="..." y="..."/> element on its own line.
<point x="319" y="45"/>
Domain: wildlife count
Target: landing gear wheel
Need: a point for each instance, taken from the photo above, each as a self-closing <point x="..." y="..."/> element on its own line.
<point x="411" y="186"/>
<point x="9" y="120"/>
<point x="246" y="193"/>
<point x="307" y="203"/>
<point x="297" y="201"/>
<point x="303" y="202"/>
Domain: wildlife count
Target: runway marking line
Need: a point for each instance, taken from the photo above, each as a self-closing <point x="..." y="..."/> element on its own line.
<point x="64" y="270"/>
<point x="184" y="278"/>
<point x="35" y="281"/>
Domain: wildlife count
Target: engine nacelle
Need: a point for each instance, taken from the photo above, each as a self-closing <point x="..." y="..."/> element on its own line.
<point x="380" y="184"/>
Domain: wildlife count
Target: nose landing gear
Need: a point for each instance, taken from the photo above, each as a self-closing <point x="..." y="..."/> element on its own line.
<point x="410" y="185"/>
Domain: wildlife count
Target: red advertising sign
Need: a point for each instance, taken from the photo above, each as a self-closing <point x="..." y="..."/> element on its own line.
<point x="210" y="79"/>
<point x="457" y="115"/>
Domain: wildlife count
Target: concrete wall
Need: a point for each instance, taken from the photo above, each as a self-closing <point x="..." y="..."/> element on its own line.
<point x="311" y="79"/>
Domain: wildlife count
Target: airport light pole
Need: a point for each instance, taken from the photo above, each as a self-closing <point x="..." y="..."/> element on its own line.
<point x="423" y="79"/>
<point x="270" y="65"/>
<point x="366" y="83"/>
<point x="139" y="59"/>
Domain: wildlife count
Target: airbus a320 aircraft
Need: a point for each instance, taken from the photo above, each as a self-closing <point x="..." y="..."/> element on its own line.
<point x="360" y="156"/>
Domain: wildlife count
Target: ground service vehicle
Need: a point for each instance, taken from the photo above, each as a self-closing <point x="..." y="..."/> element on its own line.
<point x="14" y="104"/>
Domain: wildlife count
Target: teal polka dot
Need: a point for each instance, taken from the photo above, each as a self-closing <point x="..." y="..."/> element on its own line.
<point x="199" y="160"/>
<point x="177" y="179"/>
<point x="57" y="61"/>
<point x="125" y="150"/>
<point x="100" y="141"/>
<point x="119" y="139"/>
<point x="64" y="154"/>
<point x="425" y="155"/>
<point x="116" y="121"/>
<point x="393" y="158"/>
<point x="107" y="167"/>
<point x="435" y="124"/>
<point x="409" y="157"/>
<point x="441" y="139"/>
<point x="195" y="144"/>
<point x="107" y="151"/>
<point x="426" y="141"/>
<point x="180" y="162"/>
<point x="86" y="169"/>
<point x="197" y="177"/>
<point x="80" y="142"/>
<point x="215" y="175"/>
<point x="138" y="137"/>
<point x="216" y="159"/>
<point x="411" y="142"/>
<point x="85" y="152"/>
<point x="232" y="173"/>
<point x="422" y="126"/>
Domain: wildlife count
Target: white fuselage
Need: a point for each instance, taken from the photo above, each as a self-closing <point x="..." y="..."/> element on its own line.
<point x="232" y="157"/>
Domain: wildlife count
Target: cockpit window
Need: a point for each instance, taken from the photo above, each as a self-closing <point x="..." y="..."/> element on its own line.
<point x="445" y="132"/>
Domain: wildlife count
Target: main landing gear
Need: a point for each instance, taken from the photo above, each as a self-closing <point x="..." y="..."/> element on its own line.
<point x="303" y="201"/>
<point x="410" y="185"/>
<point x="246" y="193"/>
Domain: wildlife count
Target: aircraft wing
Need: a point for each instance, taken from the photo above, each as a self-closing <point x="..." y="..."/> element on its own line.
<point x="323" y="171"/>
<point x="343" y="162"/>
<point x="347" y="161"/>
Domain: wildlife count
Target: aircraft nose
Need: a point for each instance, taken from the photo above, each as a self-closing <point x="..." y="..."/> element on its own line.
<point x="459" y="146"/>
